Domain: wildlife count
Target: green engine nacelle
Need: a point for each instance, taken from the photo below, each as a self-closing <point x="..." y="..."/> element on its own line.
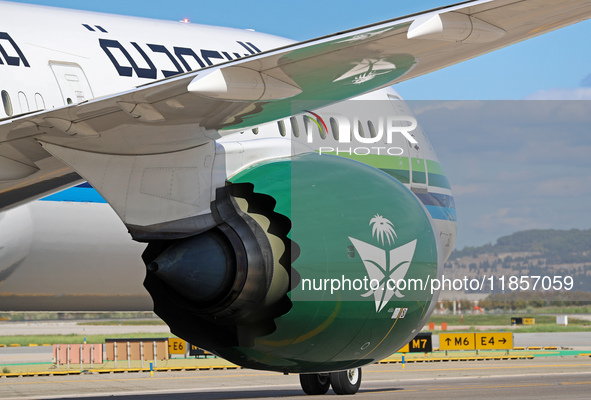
<point x="363" y="251"/>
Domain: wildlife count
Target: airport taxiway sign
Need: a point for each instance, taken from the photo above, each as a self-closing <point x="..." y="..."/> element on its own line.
<point x="422" y="343"/>
<point x="456" y="341"/>
<point x="176" y="346"/>
<point x="494" y="341"/>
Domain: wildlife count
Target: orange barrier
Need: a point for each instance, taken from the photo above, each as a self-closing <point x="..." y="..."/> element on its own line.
<point x="137" y="349"/>
<point x="78" y="354"/>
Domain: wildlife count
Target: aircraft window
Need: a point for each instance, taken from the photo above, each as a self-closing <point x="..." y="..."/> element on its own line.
<point x="360" y="129"/>
<point x="7" y="103"/>
<point x="309" y="124"/>
<point x="322" y="131"/>
<point x="372" y="129"/>
<point x="23" y="102"/>
<point x="255" y="131"/>
<point x="334" y="125"/>
<point x="39" y="102"/>
<point x="295" y="128"/>
<point x="69" y="101"/>
<point x="281" y="126"/>
<point x="307" y="128"/>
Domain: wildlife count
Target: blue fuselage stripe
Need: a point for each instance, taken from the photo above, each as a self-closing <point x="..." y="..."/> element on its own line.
<point x="440" y="206"/>
<point x="444" y="213"/>
<point x="83" y="193"/>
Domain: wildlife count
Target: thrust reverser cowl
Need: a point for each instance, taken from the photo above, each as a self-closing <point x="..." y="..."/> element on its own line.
<point x="350" y="224"/>
<point x="231" y="281"/>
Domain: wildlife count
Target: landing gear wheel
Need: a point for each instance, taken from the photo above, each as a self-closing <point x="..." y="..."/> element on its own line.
<point x="346" y="382"/>
<point x="315" y="384"/>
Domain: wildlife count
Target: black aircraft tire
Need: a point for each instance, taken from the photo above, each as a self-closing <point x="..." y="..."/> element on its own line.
<point x="315" y="384"/>
<point x="346" y="382"/>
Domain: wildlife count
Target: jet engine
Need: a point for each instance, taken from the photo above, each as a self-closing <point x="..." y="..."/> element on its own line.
<point x="318" y="263"/>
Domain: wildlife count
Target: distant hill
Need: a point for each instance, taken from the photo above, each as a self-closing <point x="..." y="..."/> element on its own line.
<point x="556" y="245"/>
<point x="540" y="252"/>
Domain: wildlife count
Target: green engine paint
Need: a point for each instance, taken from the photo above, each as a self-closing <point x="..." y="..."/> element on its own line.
<point x="329" y="200"/>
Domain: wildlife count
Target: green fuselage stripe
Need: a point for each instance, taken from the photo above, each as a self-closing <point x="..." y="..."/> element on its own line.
<point x="419" y="177"/>
<point x="401" y="175"/>
<point x="434" y="167"/>
<point x="399" y="168"/>
<point x="377" y="161"/>
<point x="439" y="181"/>
<point x="418" y="165"/>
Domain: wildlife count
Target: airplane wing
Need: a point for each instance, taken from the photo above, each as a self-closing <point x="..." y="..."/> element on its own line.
<point x="116" y="140"/>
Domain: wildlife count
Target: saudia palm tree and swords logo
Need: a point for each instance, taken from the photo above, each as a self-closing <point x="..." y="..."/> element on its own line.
<point x="386" y="264"/>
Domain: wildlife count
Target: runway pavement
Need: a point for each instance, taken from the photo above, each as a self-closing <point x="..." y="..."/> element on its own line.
<point x="541" y="378"/>
<point x="22" y="355"/>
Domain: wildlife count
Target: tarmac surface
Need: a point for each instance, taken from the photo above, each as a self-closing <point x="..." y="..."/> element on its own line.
<point x="563" y="375"/>
<point x="540" y="378"/>
<point x="74" y="327"/>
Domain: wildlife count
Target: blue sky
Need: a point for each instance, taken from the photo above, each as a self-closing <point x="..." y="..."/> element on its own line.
<point x="556" y="62"/>
<point x="504" y="180"/>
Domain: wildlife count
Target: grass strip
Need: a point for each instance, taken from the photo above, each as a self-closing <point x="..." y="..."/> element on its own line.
<point x="25" y="340"/>
<point x="128" y="322"/>
<point x="485" y="319"/>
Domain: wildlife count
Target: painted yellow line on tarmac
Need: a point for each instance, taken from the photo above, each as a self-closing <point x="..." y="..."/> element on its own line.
<point x="45" y="382"/>
<point x="471" y="367"/>
<point x="505" y="386"/>
<point x="259" y="374"/>
<point x="454" y="359"/>
<point x="502" y="386"/>
<point x="478" y="387"/>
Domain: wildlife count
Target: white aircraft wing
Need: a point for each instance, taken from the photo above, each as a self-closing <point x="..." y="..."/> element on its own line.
<point x="183" y="114"/>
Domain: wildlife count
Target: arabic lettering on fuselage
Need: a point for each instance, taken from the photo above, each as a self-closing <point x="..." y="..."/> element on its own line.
<point x="11" y="60"/>
<point x="183" y="59"/>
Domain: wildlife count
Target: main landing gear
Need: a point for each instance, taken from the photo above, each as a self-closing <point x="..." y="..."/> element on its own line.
<point x="343" y="382"/>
